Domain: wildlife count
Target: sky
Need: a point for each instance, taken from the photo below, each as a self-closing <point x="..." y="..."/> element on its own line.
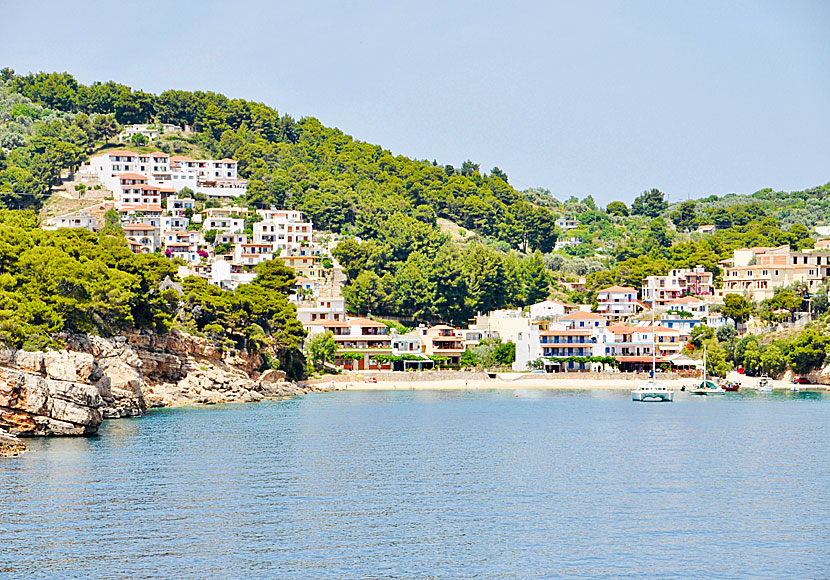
<point x="596" y="97"/>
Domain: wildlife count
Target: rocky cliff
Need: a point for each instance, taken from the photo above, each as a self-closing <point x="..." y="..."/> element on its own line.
<point x="69" y="392"/>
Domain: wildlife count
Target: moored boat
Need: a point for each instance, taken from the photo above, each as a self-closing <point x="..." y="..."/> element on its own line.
<point x="730" y="386"/>
<point x="706" y="387"/>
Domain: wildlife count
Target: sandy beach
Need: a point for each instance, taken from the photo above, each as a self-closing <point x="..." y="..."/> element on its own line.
<point x="365" y="382"/>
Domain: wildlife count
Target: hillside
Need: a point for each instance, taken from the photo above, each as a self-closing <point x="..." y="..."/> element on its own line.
<point x="413" y="261"/>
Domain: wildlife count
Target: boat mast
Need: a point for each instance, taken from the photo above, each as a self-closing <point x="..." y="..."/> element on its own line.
<point x="653" y="339"/>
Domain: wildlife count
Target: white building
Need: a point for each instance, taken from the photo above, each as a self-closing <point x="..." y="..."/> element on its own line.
<point x="151" y="131"/>
<point x="75" y="221"/>
<point x="566" y="243"/>
<point x="142" y="238"/>
<point x="549" y="309"/>
<point x="322" y="308"/>
<point x="287" y="231"/>
<point x="567" y="224"/>
<point x="618" y="302"/>
<point x="215" y="178"/>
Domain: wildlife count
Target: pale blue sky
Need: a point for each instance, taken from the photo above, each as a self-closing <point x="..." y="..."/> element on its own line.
<point x="602" y="98"/>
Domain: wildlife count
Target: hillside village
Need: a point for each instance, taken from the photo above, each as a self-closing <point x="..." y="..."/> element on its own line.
<point x="190" y="211"/>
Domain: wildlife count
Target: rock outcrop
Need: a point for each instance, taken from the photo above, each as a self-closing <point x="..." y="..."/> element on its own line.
<point x="10" y="445"/>
<point x="70" y="392"/>
<point x="34" y="402"/>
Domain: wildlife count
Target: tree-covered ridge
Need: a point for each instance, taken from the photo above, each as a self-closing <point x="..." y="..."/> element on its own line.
<point x="67" y="281"/>
<point x="405" y="265"/>
<point x="340" y="183"/>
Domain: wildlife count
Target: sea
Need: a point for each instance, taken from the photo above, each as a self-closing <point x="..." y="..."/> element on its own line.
<point x="501" y="484"/>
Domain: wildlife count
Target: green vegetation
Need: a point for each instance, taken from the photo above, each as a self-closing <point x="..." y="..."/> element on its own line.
<point x="69" y="281"/>
<point x="386" y="209"/>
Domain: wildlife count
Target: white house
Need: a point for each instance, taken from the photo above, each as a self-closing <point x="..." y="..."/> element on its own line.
<point x="618" y="302"/>
<point x="151" y="131"/>
<point x="566" y="243"/>
<point x="75" y="221"/>
<point x="566" y="224"/>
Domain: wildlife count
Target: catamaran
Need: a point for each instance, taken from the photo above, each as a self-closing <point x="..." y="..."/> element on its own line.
<point x="652" y="390"/>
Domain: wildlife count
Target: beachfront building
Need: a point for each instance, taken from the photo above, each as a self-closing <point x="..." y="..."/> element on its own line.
<point x="443" y="341"/>
<point x="78" y="220"/>
<point x="678" y="283"/>
<point x="632" y="346"/>
<point x="757" y="272"/>
<point x="358" y="340"/>
<point x="409" y="348"/>
<point x="554" y="348"/>
<point x="618" y="302"/>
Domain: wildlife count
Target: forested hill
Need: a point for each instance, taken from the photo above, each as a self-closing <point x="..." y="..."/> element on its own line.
<point x="501" y="251"/>
<point x="340" y="183"/>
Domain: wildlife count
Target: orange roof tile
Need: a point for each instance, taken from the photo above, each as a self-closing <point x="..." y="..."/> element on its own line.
<point x="580" y="315"/>
<point x="131" y="176"/>
<point x="618" y="289"/>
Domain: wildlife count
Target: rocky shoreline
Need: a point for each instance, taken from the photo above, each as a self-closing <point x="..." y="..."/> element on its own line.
<point x="71" y="391"/>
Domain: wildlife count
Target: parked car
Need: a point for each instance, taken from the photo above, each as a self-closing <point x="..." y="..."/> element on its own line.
<point x="801" y="380"/>
<point x="741" y="370"/>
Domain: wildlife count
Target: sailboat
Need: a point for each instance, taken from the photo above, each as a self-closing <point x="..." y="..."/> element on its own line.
<point x="652" y="390"/>
<point x="706" y="387"/>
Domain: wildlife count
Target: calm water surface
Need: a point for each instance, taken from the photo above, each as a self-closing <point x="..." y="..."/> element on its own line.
<point x="431" y="485"/>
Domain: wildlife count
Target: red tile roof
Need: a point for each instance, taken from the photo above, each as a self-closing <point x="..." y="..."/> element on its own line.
<point x="131" y="176"/>
<point x="580" y="315"/>
<point x="686" y="300"/>
<point x="618" y="289"/>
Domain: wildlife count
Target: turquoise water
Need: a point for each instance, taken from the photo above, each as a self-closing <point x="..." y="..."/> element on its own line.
<point x="431" y="485"/>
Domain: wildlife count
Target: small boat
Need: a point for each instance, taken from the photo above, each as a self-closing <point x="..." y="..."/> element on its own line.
<point x="730" y="386"/>
<point x="764" y="384"/>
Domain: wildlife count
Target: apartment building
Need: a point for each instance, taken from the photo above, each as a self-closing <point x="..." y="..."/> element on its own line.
<point x="285" y="230"/>
<point x="618" y="302"/>
<point x="444" y="341"/>
<point x="142" y="238"/>
<point x="678" y="283"/>
<point x="215" y="178"/>
<point x="757" y="272"/>
<point x="357" y="336"/>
